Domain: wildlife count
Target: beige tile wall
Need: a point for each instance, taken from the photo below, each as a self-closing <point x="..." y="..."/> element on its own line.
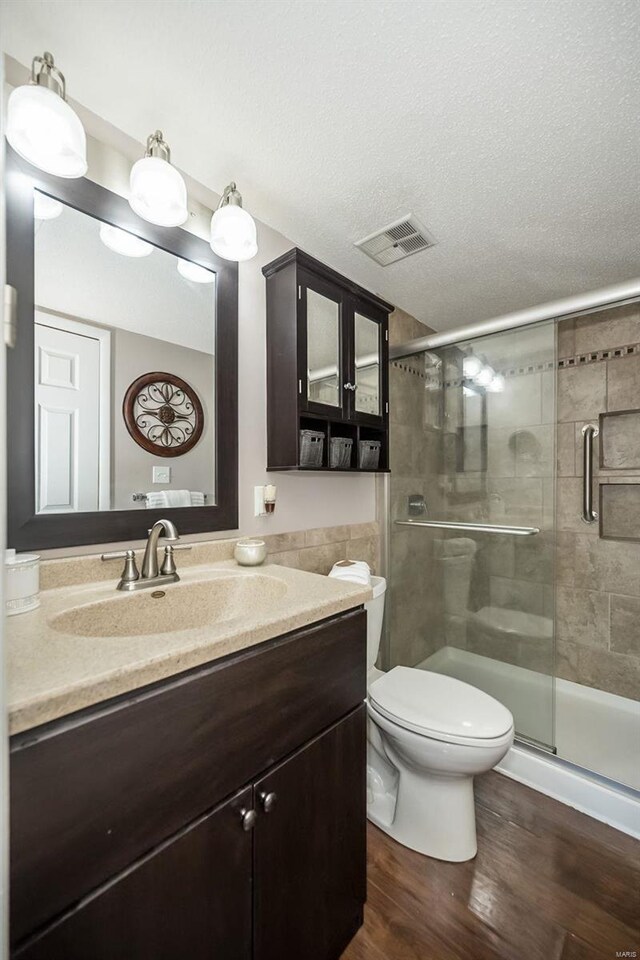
<point x="598" y="594"/>
<point x="414" y="613"/>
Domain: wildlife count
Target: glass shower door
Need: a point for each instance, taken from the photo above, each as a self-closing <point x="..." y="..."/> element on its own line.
<point x="472" y="518"/>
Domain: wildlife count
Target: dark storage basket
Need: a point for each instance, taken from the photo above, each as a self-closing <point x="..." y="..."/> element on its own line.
<point x="340" y="452"/>
<point x="311" y="447"/>
<point x="369" y="454"/>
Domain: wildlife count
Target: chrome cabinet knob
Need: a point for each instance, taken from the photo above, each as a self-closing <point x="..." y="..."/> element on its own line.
<point x="248" y="818"/>
<point x="268" y="801"/>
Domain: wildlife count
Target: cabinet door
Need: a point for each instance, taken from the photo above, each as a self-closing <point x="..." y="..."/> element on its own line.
<point x="368" y="358"/>
<point x="322" y="343"/>
<point x="190" y="898"/>
<point x="310" y="848"/>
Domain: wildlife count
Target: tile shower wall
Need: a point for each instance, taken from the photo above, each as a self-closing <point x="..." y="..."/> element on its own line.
<point x="598" y="580"/>
<point x="414" y="615"/>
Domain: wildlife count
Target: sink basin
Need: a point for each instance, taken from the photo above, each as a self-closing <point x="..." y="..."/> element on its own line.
<point x="179" y="606"/>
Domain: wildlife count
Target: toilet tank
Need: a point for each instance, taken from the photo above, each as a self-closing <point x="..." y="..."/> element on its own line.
<point x="375" y="613"/>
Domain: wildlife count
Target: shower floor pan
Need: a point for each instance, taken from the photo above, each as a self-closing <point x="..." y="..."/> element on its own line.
<point x="594" y="730"/>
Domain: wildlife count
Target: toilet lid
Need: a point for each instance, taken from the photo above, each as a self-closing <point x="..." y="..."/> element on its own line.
<point x="439" y="705"/>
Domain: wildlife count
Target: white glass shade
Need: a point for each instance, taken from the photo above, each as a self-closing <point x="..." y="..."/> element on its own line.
<point x="43" y="129"/>
<point x="44" y="207"/>
<point x="496" y="385"/>
<point x="484" y="378"/>
<point x="233" y="233"/>
<point x="122" y="242"/>
<point x="158" y="193"/>
<point x="194" y="272"/>
<point x="471" y="366"/>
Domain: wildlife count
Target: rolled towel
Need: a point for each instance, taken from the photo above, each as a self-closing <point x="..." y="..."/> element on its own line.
<point x="197" y="498"/>
<point x="353" y="571"/>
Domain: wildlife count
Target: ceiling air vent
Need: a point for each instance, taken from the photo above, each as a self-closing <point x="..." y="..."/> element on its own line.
<point x="397" y="240"/>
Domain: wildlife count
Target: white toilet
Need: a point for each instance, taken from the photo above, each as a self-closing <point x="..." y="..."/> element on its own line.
<point x="429" y="735"/>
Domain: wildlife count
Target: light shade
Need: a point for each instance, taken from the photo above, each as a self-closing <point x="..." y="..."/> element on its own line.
<point x="497" y="383"/>
<point x="233" y="233"/>
<point x="44" y="130"/>
<point x="122" y="242"/>
<point x="158" y="192"/>
<point x="44" y="207"/>
<point x="484" y="378"/>
<point x="194" y="272"/>
<point x="471" y="366"/>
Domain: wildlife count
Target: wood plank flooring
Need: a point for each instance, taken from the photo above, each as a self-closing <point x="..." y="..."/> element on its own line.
<point x="548" y="883"/>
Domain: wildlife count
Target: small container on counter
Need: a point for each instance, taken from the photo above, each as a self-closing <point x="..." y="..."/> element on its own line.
<point x="250" y="553"/>
<point x="22" y="582"/>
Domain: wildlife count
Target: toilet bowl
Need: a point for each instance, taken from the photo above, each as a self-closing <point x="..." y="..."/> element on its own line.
<point x="429" y="735"/>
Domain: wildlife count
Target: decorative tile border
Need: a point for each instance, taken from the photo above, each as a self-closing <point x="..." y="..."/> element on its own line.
<point x="564" y="363"/>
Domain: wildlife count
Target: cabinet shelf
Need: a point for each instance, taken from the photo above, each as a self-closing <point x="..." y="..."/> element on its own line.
<point x="327" y="364"/>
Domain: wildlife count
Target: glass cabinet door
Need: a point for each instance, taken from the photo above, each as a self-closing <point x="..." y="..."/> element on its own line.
<point x="368" y="393"/>
<point x="324" y="350"/>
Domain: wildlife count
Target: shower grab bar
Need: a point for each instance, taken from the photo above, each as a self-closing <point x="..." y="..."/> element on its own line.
<point x="472" y="527"/>
<point x="589" y="433"/>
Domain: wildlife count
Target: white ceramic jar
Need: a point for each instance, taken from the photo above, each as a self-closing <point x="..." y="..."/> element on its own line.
<point x="250" y="553"/>
<point x="22" y="582"/>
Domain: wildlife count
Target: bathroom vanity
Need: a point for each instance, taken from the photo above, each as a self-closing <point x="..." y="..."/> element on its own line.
<point x="216" y="814"/>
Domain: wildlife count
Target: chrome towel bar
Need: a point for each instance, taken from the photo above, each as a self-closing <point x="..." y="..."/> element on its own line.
<point x="472" y="527"/>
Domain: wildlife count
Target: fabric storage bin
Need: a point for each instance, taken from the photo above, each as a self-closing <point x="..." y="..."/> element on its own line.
<point x="311" y="448"/>
<point x="340" y="452"/>
<point x="369" y="454"/>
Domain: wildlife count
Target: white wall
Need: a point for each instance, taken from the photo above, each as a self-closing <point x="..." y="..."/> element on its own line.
<point x="304" y="501"/>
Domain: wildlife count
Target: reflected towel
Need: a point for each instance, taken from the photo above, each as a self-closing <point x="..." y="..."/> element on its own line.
<point x="168" y="498"/>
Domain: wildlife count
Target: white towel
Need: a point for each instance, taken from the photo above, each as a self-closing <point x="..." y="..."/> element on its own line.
<point x="197" y="498"/>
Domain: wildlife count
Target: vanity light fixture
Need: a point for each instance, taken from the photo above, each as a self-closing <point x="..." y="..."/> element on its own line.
<point x="122" y="242"/>
<point x="44" y="207"/>
<point x="157" y="191"/>
<point x="233" y="230"/>
<point x="194" y="272"/>
<point x="42" y="127"/>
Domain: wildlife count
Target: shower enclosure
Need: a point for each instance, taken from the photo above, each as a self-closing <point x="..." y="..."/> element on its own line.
<point x="514" y="528"/>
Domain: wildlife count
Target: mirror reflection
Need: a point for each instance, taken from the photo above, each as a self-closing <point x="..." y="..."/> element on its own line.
<point x="367" y="346"/>
<point x="323" y="349"/>
<point x="124" y="369"/>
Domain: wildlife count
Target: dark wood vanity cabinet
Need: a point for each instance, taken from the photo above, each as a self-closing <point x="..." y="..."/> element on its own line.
<point x="327" y="366"/>
<point x="219" y="815"/>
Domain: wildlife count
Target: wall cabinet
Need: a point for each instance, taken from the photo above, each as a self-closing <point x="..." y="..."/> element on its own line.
<point x="327" y="366"/>
<point x="272" y="868"/>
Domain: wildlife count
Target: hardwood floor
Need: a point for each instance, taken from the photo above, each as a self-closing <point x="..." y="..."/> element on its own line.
<point x="548" y="883"/>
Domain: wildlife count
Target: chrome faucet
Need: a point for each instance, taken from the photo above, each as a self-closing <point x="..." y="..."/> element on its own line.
<point x="150" y="560"/>
<point x="131" y="579"/>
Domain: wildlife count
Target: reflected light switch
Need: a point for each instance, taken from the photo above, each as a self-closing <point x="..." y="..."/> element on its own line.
<point x="162" y="474"/>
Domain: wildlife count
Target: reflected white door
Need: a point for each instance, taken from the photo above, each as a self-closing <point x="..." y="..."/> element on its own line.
<point x="67" y="421"/>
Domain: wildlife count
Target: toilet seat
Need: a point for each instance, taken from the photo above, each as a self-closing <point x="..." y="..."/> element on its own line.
<point x="440" y="707"/>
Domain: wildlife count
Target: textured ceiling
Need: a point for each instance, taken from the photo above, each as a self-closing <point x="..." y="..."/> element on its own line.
<point x="509" y="127"/>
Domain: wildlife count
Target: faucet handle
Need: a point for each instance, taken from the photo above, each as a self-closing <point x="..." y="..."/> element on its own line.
<point x="168" y="564"/>
<point x="130" y="572"/>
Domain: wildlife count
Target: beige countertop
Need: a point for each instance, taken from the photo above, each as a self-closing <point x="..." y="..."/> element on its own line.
<point x="55" y="667"/>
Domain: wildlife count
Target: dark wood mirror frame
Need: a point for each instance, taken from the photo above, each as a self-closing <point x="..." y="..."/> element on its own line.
<point x="28" y="530"/>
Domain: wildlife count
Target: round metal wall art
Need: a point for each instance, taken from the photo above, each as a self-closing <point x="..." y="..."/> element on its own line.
<point x="163" y="414"/>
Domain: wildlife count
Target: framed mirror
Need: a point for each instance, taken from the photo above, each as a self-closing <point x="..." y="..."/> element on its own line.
<point x="122" y="386"/>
